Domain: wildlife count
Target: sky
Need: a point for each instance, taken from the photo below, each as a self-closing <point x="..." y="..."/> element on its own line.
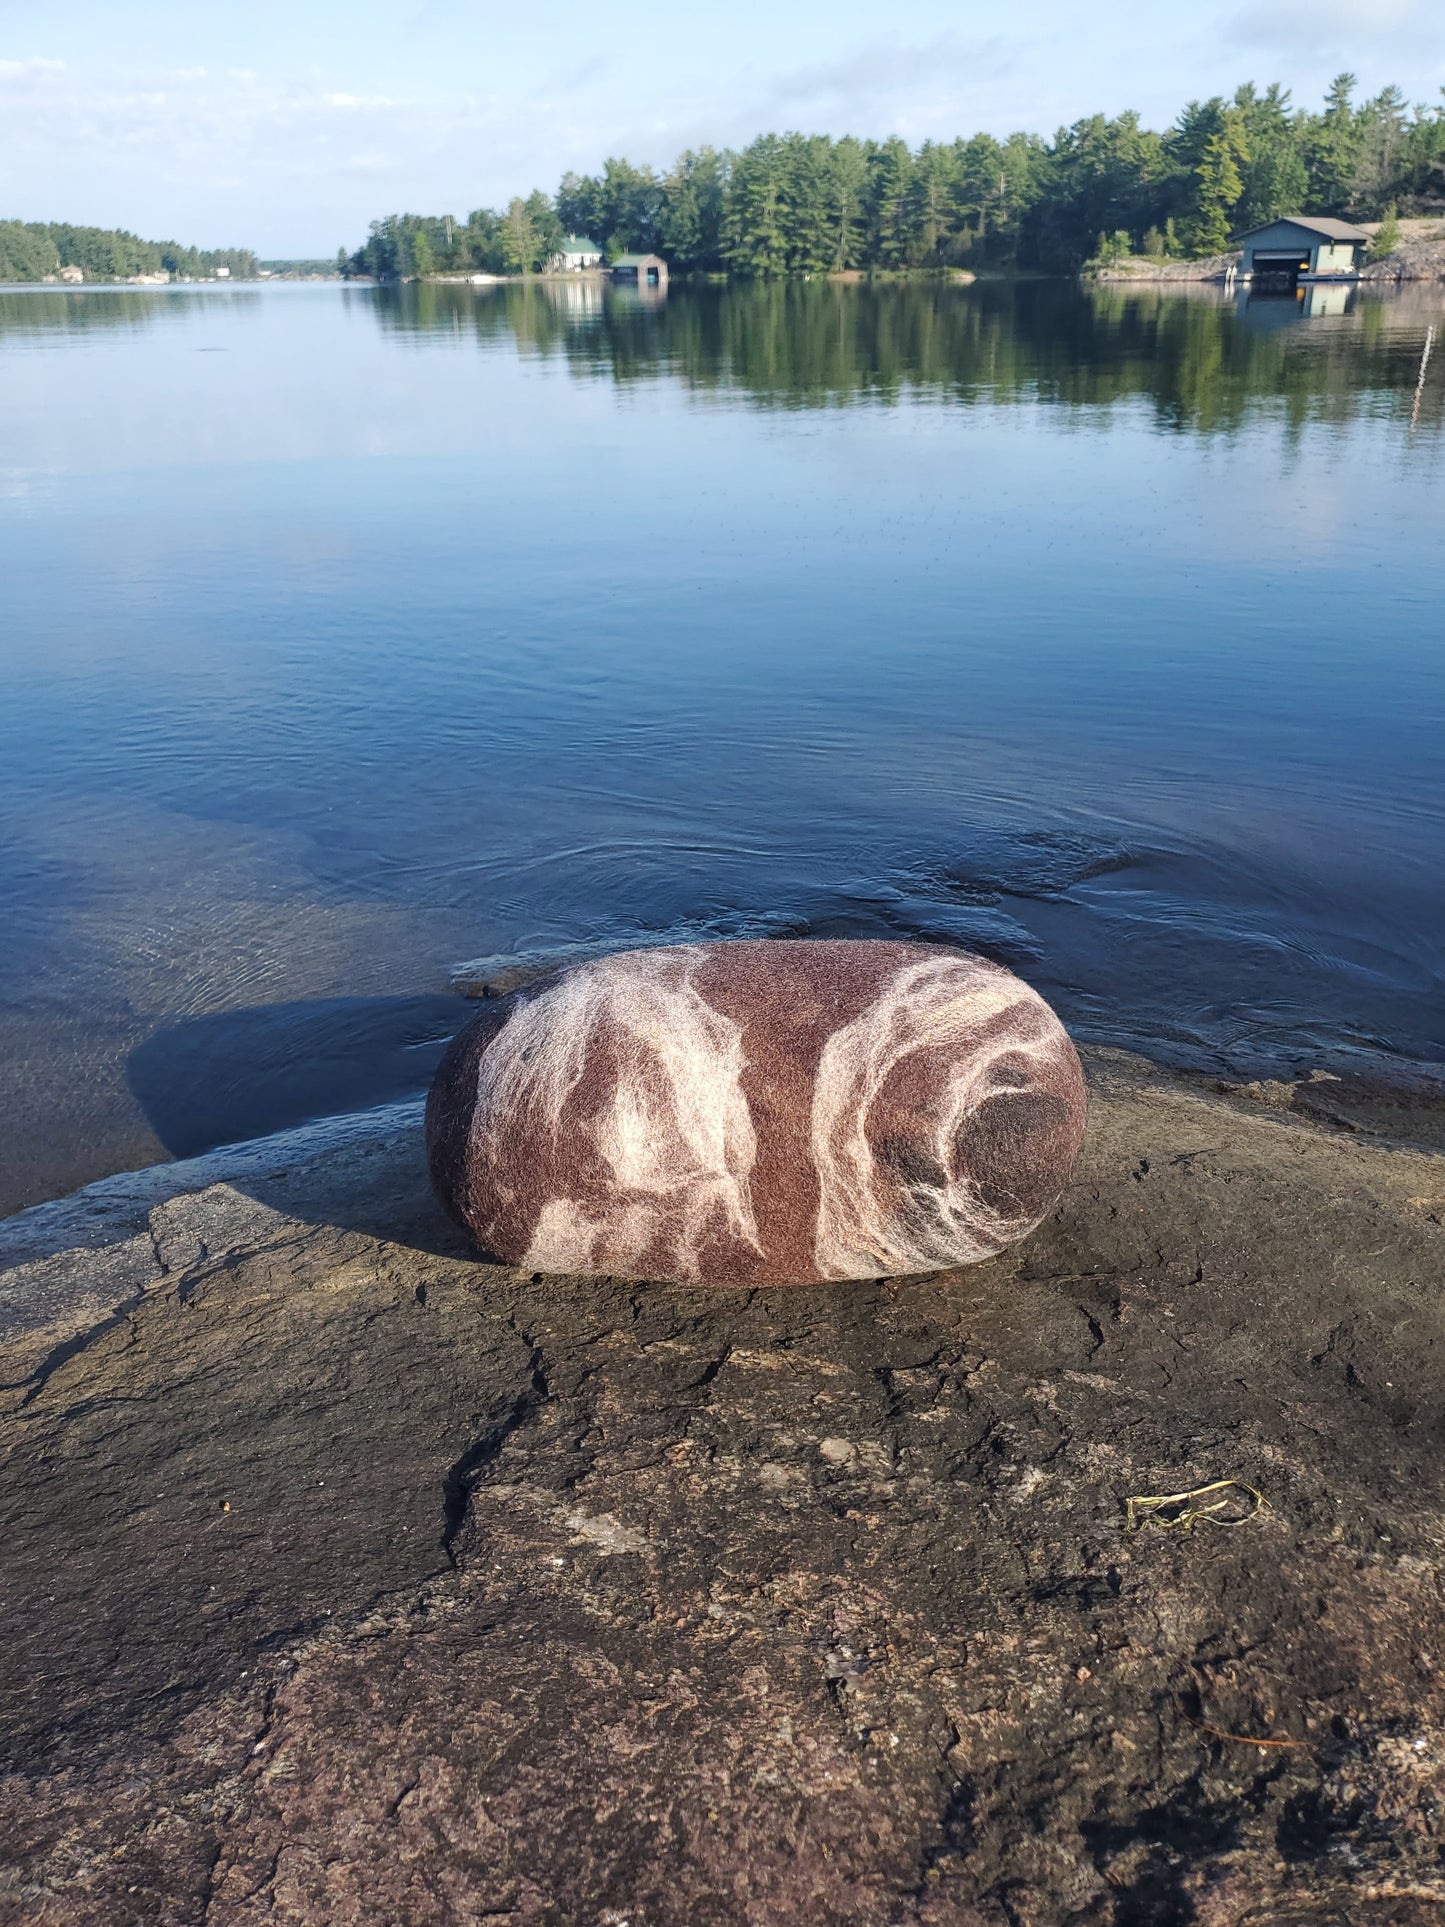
<point x="286" y="125"/>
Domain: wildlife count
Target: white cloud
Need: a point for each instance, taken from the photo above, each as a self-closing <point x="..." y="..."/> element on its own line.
<point x="217" y="156"/>
<point x="880" y="87"/>
<point x="371" y="166"/>
<point x="13" y="72"/>
<point x="288" y="165"/>
<point x="299" y="165"/>
<point x="1320" y="26"/>
<point x="937" y="89"/>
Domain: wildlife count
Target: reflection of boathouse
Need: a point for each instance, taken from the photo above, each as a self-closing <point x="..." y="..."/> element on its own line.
<point x="1301" y="247"/>
<point x="640" y="271"/>
<point x="1310" y="301"/>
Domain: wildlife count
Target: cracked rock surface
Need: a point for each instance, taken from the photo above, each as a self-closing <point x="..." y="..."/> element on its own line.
<point x="348" y="1579"/>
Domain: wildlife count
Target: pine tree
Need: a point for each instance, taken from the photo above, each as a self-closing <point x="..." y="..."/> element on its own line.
<point x="847" y="203"/>
<point x="1276" y="180"/>
<point x="753" y="238"/>
<point x="518" y="239"/>
<point x="547" y="231"/>
<point x="1333" y="149"/>
<point x="980" y="175"/>
<point x="809" y="204"/>
<point x="1380" y="138"/>
<point x="1387" y="234"/>
<point x="579" y="206"/>
<point x="890" y="180"/>
<point x="806" y="163"/>
<point x="693" y="197"/>
<point x="1219" y="187"/>
<point x="930" y="201"/>
<point x="631" y="206"/>
<point x="481" y="241"/>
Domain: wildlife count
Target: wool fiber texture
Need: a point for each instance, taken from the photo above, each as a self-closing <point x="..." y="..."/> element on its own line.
<point x="759" y="1113"/>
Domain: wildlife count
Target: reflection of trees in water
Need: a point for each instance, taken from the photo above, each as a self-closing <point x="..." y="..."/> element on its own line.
<point x="43" y="311"/>
<point x="1205" y="362"/>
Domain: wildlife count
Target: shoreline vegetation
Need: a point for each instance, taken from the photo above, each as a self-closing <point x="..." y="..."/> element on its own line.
<point x="1101" y="192"/>
<point x="46" y="251"/>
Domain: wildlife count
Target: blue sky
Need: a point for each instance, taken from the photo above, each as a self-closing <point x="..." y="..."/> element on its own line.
<point x="287" y="126"/>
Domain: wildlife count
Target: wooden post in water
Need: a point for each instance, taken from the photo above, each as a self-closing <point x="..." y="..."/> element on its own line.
<point x="1420" y="380"/>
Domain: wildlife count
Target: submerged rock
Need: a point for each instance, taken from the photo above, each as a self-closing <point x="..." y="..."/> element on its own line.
<point x="749" y="1112"/>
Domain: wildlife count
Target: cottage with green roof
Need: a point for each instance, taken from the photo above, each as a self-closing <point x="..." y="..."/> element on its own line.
<point x="575" y="254"/>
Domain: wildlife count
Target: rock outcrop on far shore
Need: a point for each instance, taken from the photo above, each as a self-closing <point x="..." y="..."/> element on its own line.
<point x="1420" y="256"/>
<point x="1214" y="267"/>
<point x="1422" y="260"/>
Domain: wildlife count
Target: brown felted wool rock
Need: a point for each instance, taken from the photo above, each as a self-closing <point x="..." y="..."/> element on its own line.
<point x="759" y="1112"/>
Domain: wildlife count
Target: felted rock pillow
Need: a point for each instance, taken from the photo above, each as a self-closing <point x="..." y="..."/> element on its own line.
<point x="758" y="1112"/>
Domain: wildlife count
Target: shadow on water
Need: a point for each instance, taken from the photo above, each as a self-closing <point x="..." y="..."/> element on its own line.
<point x="241" y="1074"/>
<point x="350" y="1071"/>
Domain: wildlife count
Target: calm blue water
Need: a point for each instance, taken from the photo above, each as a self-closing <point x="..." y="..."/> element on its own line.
<point x="352" y="633"/>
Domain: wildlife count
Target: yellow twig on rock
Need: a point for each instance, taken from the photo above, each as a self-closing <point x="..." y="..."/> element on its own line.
<point x="1242" y="1739"/>
<point x="1178" y="1511"/>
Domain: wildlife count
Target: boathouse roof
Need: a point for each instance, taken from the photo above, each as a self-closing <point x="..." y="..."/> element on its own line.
<point x="1322" y="224"/>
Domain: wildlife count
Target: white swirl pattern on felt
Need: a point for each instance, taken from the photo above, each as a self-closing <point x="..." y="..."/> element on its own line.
<point x="673" y="1127"/>
<point x="998" y="1033"/>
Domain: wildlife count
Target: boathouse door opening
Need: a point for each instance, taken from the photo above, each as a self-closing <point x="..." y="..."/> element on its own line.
<point x="1279" y="273"/>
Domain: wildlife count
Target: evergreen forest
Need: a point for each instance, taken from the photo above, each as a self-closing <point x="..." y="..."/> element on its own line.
<point x="31" y="250"/>
<point x="792" y="204"/>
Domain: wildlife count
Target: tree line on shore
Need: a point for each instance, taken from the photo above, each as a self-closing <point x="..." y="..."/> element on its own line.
<point x="31" y="250"/>
<point x="811" y="204"/>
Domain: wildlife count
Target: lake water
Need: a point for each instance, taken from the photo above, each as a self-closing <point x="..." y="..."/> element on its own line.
<point x="351" y="633"/>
